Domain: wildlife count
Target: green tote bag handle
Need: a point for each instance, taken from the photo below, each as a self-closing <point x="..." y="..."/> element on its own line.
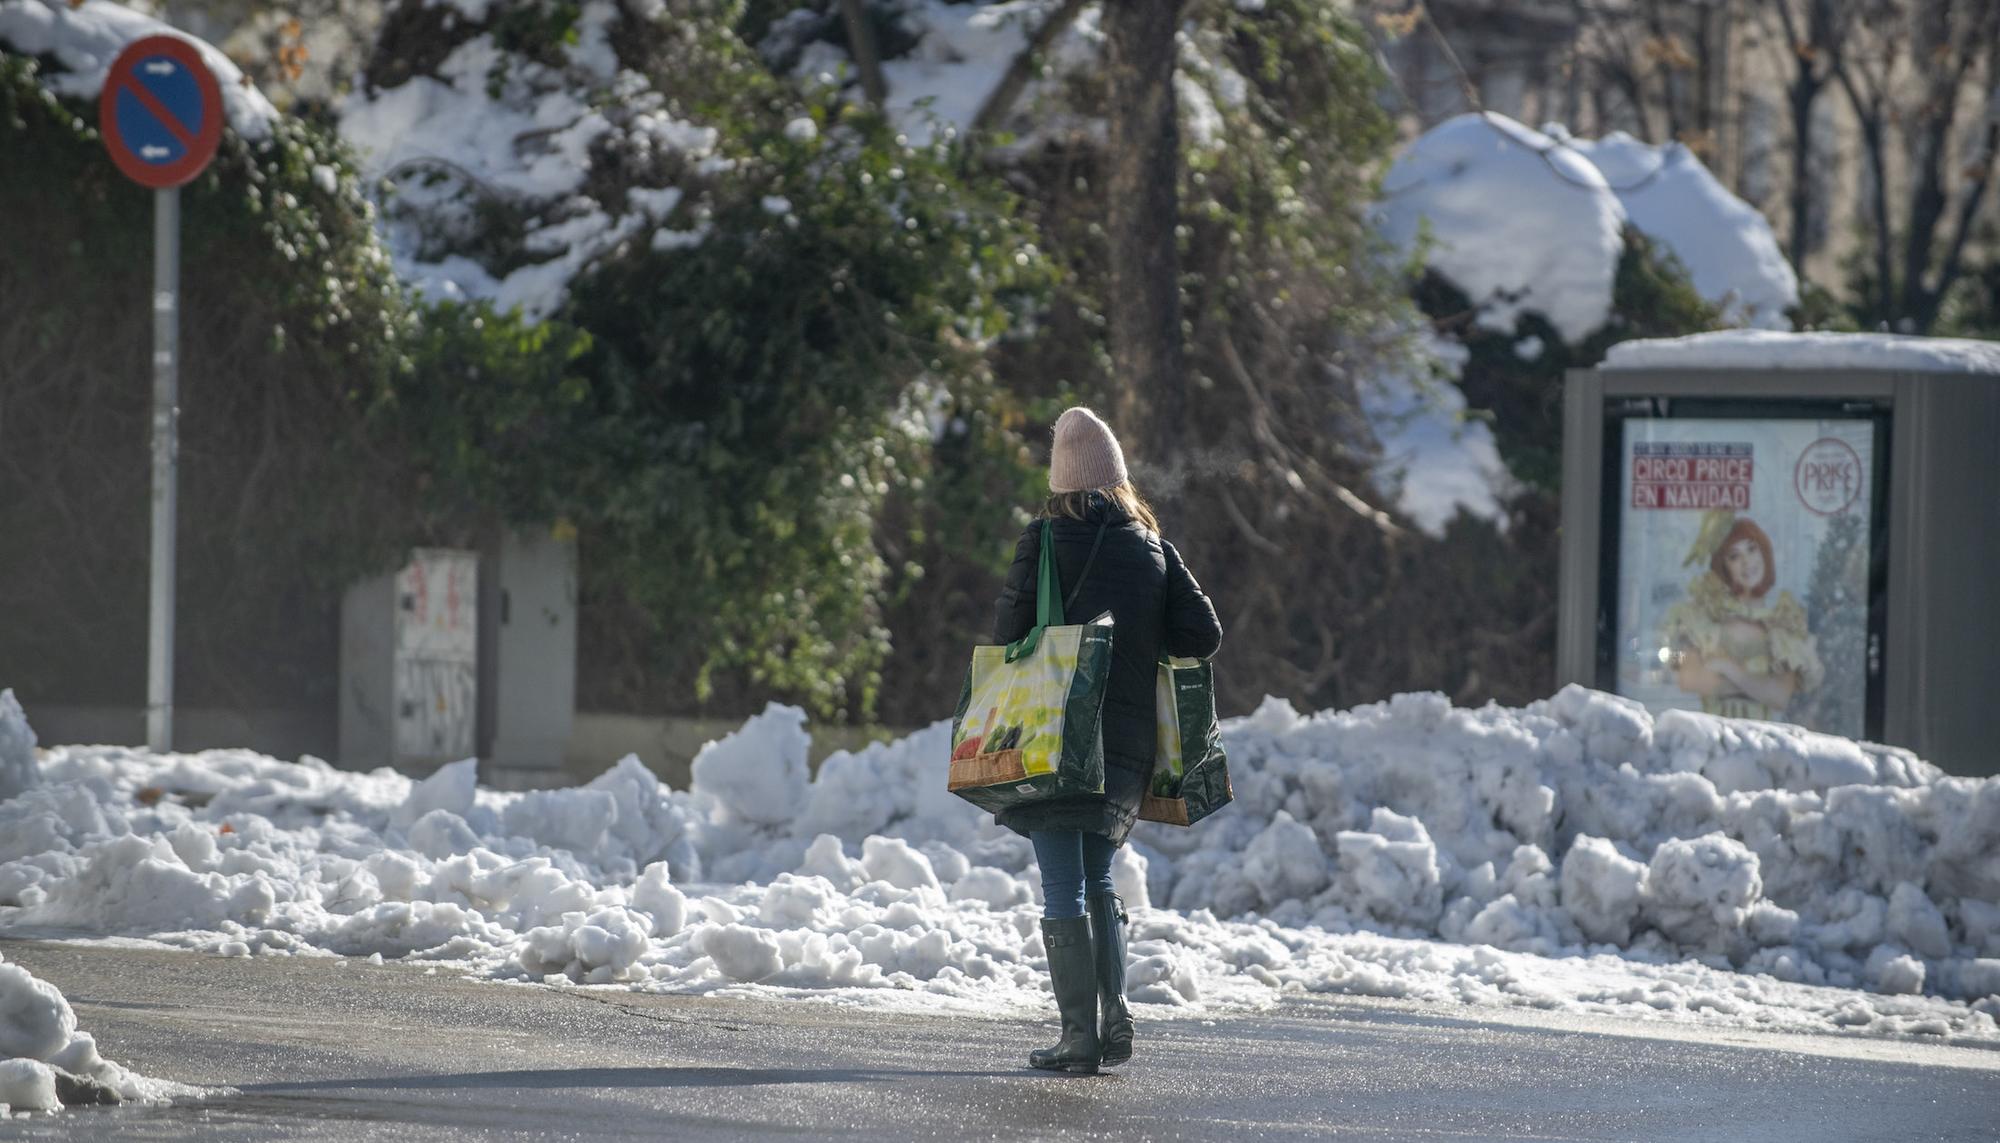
<point x="1048" y="592"/>
<point x="1048" y="601"/>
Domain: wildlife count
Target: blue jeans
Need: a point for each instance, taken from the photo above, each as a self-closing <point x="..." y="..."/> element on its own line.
<point x="1072" y="862"/>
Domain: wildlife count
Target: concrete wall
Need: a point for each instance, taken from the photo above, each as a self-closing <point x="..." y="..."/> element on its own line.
<point x="667" y="744"/>
<point x="279" y="733"/>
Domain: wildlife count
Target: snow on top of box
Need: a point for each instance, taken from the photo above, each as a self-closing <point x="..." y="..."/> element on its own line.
<point x="85" y="39"/>
<point x="1531" y="220"/>
<point x="1767" y="349"/>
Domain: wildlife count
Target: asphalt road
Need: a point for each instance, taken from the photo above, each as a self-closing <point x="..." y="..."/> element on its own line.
<point x="363" y="1052"/>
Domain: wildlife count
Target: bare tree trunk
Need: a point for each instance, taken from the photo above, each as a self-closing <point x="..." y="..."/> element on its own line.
<point x="1664" y="67"/>
<point x="1148" y="360"/>
<point x="1968" y="210"/>
<point x="1573" y="85"/>
<point x="1806" y="48"/>
<point x="861" y="44"/>
<point x="1865" y="96"/>
<point x="1711" y="78"/>
<point x="1009" y="89"/>
<point x="1927" y="203"/>
<point x="1804" y="90"/>
<point x="1954" y="48"/>
<point x="1873" y="143"/>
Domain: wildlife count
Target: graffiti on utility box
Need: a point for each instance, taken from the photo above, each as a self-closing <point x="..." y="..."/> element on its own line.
<point x="437" y="654"/>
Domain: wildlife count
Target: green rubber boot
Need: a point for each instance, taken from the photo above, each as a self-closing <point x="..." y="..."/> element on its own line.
<point x="1073" y="972"/>
<point x="1107" y="921"/>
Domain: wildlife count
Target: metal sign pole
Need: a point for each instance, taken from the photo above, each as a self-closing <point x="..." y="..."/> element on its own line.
<point x="160" y="114"/>
<point x="166" y="446"/>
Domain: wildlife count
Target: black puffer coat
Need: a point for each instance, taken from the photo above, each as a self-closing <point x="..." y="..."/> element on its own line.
<point x="1156" y="606"/>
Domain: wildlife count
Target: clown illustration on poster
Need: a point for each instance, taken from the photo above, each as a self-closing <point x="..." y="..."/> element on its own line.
<point x="1743" y="574"/>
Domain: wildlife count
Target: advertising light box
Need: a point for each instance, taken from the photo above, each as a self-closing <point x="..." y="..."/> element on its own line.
<point x="1745" y="573"/>
<point x="1789" y="528"/>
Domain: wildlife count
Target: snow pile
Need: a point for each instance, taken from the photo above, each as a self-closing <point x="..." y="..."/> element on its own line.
<point x="490" y="133"/>
<point x="17" y="748"/>
<point x="1577" y="853"/>
<point x="1525" y="220"/>
<point x="45" y="1063"/>
<point x="1819" y="352"/>
<point x="81" y="41"/>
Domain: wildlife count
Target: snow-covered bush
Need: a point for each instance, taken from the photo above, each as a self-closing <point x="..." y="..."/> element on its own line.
<point x="1525" y="221"/>
<point x="1541" y="250"/>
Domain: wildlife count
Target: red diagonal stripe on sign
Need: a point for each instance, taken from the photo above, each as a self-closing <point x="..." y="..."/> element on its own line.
<point x="152" y="103"/>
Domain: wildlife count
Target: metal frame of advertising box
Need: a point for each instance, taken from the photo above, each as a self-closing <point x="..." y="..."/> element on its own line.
<point x="1929" y="444"/>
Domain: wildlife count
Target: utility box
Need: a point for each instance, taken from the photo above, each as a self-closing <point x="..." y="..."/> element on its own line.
<point x="527" y="639"/>
<point x="1793" y="527"/>
<point x="464" y="653"/>
<point x="409" y="663"/>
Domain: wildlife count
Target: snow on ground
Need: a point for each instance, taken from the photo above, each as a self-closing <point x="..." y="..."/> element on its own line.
<point x="1820" y="352"/>
<point x="83" y="39"/>
<point x="46" y="1063"/>
<point x="1577" y="854"/>
<point x="1530" y="220"/>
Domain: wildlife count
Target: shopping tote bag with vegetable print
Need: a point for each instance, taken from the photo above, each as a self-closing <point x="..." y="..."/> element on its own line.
<point x="1028" y="725"/>
<point x="1190" y="770"/>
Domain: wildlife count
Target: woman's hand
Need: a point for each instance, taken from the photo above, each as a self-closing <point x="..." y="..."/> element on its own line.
<point x="1774" y="690"/>
<point x="1697" y="675"/>
<point x="1731" y="672"/>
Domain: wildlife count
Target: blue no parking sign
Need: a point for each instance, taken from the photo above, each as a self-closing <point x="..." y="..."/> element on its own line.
<point x="160" y="112"/>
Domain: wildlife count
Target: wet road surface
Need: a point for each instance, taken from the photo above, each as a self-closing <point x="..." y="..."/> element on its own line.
<point x="361" y="1052"/>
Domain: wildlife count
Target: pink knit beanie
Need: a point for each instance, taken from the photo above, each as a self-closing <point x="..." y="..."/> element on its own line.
<point x="1086" y="455"/>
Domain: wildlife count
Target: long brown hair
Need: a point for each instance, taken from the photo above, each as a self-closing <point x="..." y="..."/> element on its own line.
<point x="1745" y="529"/>
<point x="1124" y="494"/>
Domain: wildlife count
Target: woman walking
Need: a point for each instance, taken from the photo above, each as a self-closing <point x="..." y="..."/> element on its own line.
<point x="1109" y="557"/>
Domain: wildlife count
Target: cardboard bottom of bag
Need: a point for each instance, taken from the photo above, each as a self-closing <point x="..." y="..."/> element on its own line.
<point x="999" y="781"/>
